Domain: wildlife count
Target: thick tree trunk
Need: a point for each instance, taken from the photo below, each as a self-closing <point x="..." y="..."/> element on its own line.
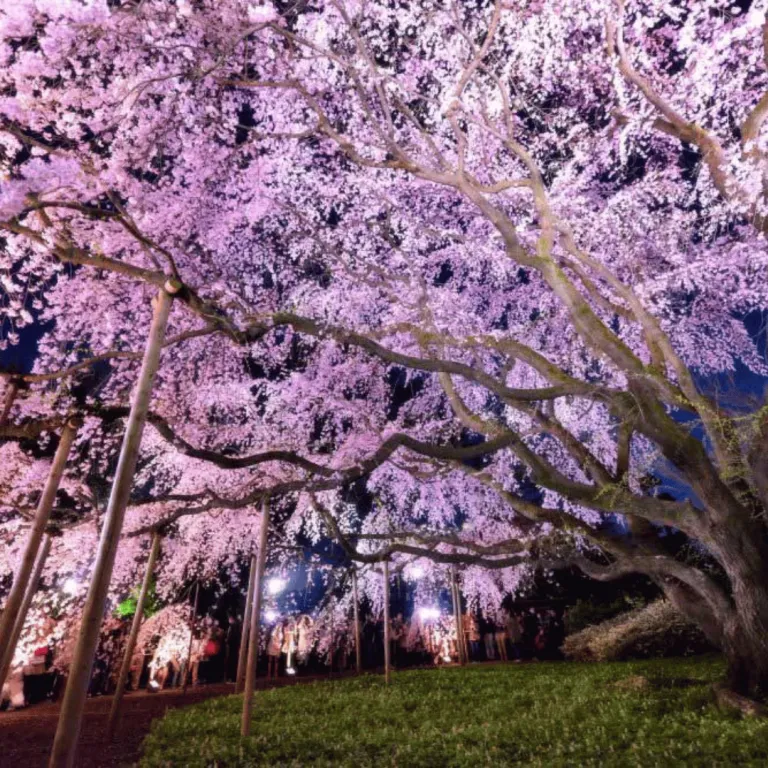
<point x="745" y="644"/>
<point x="738" y="625"/>
<point x="743" y="552"/>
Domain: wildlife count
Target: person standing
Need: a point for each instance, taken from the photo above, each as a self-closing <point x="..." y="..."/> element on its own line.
<point x="232" y="646"/>
<point x="514" y="635"/>
<point x="500" y="635"/>
<point x="289" y="645"/>
<point x="274" y="649"/>
<point x="472" y="634"/>
<point x="304" y="641"/>
<point x="489" y="639"/>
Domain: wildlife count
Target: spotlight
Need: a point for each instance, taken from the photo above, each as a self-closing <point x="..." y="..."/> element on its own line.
<point x="275" y="586"/>
<point x="270" y="615"/>
<point x="427" y="614"/>
<point x="71" y="586"/>
<point x="417" y="572"/>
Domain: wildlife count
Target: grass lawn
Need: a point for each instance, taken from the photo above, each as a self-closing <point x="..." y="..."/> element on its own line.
<point x="549" y="714"/>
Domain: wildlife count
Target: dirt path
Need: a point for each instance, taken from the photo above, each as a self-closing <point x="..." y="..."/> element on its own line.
<point x="26" y="735"/>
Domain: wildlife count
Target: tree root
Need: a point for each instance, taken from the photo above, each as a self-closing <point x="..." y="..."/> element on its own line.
<point x="730" y="700"/>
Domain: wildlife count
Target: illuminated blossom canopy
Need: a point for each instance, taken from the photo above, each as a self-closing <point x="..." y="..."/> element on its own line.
<point x="476" y="264"/>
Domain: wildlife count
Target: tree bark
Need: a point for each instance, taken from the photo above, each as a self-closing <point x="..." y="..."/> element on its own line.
<point x="34" y="582"/>
<point x="125" y="668"/>
<point x="70" y="717"/>
<point x="742" y="550"/>
<point x="242" y="656"/>
<point x="42" y="516"/>
<point x="387" y="664"/>
<point x="358" y="648"/>
<point x="253" y="640"/>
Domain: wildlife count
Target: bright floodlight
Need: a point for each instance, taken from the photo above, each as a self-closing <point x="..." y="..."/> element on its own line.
<point x="417" y="572"/>
<point x="275" y="586"/>
<point x="71" y="586"/>
<point x="270" y="615"/>
<point x="428" y="614"/>
<point x="290" y="671"/>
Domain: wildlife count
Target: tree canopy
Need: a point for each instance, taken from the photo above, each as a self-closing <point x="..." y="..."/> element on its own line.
<point x="457" y="282"/>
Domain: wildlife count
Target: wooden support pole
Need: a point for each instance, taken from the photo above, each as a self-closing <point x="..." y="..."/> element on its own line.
<point x="71" y="714"/>
<point x="192" y="620"/>
<point x="36" y="533"/>
<point x="130" y="645"/>
<point x="34" y="582"/>
<point x="332" y="650"/>
<point x="242" y="657"/>
<point x="461" y="647"/>
<point x="387" y="628"/>
<point x="358" y="648"/>
<point x="253" y="639"/>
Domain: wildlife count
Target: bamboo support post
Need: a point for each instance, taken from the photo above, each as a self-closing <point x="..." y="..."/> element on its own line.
<point x="461" y="647"/>
<point x="36" y="533"/>
<point x="358" y="648"/>
<point x="253" y="639"/>
<point x="242" y="657"/>
<point x="130" y="645"/>
<point x="387" y="628"/>
<point x="71" y="713"/>
<point x="34" y="582"/>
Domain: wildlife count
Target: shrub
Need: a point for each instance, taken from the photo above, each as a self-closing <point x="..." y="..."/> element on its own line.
<point x="584" y="613"/>
<point x="653" y="631"/>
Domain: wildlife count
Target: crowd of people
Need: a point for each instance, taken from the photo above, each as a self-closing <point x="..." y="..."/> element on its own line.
<point x="170" y="652"/>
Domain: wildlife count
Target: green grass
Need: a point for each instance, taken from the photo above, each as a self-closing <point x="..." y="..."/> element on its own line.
<point x="529" y="715"/>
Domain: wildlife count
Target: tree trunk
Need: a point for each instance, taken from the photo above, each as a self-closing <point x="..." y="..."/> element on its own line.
<point x="745" y="644"/>
<point x="744" y="555"/>
<point x="71" y="714"/>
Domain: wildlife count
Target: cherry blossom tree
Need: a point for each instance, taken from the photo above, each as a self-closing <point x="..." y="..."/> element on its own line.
<point x="540" y="224"/>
